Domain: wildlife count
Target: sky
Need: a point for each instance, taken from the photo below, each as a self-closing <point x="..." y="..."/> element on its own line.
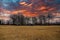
<point x="30" y="8"/>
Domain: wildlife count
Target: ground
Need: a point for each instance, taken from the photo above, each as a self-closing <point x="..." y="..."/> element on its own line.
<point x="29" y="32"/>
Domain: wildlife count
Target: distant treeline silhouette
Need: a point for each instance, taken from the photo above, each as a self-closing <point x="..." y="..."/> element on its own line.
<point x="19" y="19"/>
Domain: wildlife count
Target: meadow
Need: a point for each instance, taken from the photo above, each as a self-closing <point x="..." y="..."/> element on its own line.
<point x="10" y="32"/>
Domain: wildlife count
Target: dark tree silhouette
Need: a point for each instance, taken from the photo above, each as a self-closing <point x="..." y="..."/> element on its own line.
<point x="50" y="16"/>
<point x="42" y="19"/>
<point x="14" y="17"/>
<point x="18" y="19"/>
<point x="0" y="21"/>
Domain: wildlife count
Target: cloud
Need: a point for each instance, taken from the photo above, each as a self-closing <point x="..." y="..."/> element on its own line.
<point x="28" y="8"/>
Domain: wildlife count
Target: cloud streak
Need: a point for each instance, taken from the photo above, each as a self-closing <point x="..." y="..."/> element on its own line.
<point x="31" y="7"/>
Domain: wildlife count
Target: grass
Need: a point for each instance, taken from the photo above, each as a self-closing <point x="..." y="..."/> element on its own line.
<point x="29" y="32"/>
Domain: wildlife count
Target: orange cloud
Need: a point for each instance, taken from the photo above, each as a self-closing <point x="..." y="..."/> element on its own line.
<point x="23" y="3"/>
<point x="39" y="8"/>
<point x="43" y="8"/>
<point x="29" y="14"/>
<point x="4" y="11"/>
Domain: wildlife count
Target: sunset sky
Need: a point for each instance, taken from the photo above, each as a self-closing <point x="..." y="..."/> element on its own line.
<point x="29" y="8"/>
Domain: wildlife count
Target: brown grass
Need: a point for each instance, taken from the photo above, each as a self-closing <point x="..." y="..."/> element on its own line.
<point x="29" y="32"/>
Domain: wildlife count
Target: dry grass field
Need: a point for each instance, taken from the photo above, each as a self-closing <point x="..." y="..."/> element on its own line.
<point x="29" y="32"/>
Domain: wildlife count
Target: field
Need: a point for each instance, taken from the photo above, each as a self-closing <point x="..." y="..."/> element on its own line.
<point x="29" y="32"/>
